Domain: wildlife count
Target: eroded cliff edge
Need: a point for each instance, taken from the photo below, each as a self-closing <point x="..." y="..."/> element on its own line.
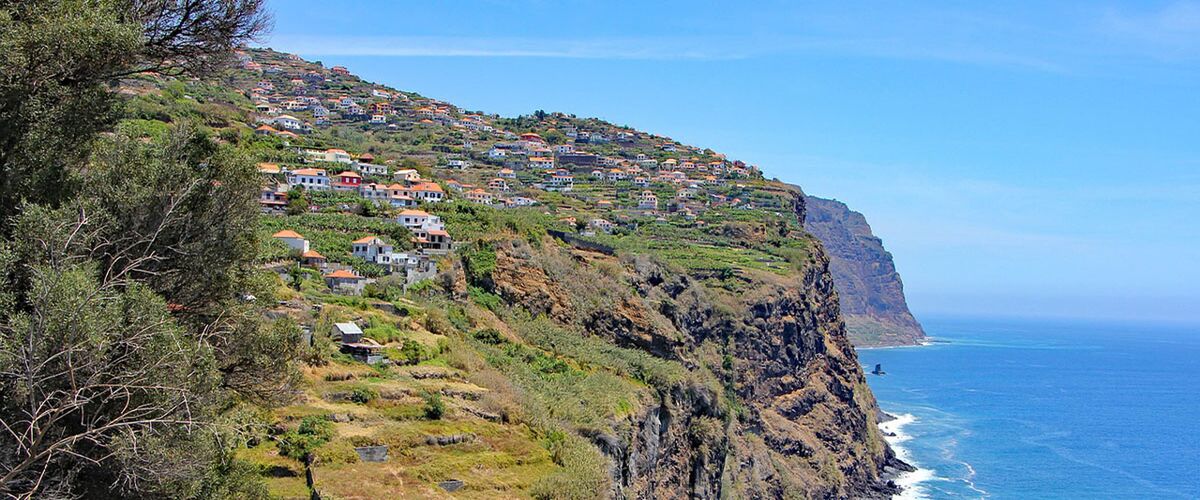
<point x="870" y="290"/>
<point x="775" y="404"/>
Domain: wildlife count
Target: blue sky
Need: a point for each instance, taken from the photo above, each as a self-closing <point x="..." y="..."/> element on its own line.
<point x="1025" y="159"/>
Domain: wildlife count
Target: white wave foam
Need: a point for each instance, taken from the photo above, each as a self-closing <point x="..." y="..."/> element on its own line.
<point x="909" y="482"/>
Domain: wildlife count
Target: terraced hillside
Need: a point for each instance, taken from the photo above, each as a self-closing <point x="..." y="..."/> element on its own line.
<point x="618" y="314"/>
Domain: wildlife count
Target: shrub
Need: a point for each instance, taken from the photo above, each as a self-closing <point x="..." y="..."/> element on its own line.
<point x="485" y="299"/>
<point x="410" y="352"/>
<point x="363" y="395"/>
<point x="490" y="336"/>
<point x="434" y="407"/>
<point x="300" y="444"/>
<point x="437" y="322"/>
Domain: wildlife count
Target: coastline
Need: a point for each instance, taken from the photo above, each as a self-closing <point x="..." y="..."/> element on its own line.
<point x="908" y="481"/>
<point x="928" y="341"/>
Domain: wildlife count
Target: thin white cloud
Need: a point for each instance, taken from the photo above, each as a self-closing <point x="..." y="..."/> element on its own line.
<point x="603" y="48"/>
<point x="654" y="48"/>
<point x="1171" y="32"/>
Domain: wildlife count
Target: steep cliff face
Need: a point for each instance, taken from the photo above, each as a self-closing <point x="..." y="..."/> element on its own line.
<point x="775" y="404"/>
<point x="869" y="288"/>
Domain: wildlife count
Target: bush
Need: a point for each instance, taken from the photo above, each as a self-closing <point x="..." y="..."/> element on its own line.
<point x="363" y="395"/>
<point x="434" y="407"/>
<point x="410" y="352"/>
<point x="490" y="336"/>
<point x="300" y="444"/>
<point x="317" y="426"/>
<point x="437" y="322"/>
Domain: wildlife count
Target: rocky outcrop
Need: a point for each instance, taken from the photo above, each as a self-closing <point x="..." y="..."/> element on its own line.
<point x="778" y="406"/>
<point x="869" y="288"/>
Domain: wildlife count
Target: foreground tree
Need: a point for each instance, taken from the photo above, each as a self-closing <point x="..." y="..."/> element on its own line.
<point x="128" y="338"/>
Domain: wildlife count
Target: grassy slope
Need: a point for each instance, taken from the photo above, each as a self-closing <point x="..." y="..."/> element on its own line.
<point x="544" y="381"/>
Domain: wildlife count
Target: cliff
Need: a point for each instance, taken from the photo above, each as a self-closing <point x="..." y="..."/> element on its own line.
<point x="870" y="291"/>
<point x="774" y="403"/>
<point x="566" y="348"/>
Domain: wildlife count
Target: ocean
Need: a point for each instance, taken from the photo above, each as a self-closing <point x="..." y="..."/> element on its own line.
<point x="1024" y="409"/>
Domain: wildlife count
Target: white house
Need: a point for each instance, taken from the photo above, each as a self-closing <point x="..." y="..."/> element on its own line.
<point x="406" y="174"/>
<point x="602" y="225"/>
<point x="378" y="119"/>
<point x="497" y="153"/>
<point x="541" y="162"/>
<point x="288" y="121"/>
<point x="413" y="219"/>
<point x="331" y="155"/>
<point x="293" y="240"/>
<point x="370" y="168"/>
<point x="648" y="201"/>
<point x="372" y="249"/>
<point x="313" y="179"/>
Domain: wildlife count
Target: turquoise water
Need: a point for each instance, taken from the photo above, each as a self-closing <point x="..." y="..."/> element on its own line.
<point x="1010" y="409"/>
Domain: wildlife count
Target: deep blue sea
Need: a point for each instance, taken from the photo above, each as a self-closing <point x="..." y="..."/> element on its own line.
<point x="1025" y="409"/>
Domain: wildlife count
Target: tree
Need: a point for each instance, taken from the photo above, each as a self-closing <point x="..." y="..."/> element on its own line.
<point x="58" y="59"/>
<point x="122" y="339"/>
<point x="297" y="201"/>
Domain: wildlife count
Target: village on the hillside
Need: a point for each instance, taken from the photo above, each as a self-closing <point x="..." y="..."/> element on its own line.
<point x="597" y="177"/>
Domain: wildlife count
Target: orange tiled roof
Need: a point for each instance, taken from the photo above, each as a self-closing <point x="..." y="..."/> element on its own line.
<point x="287" y="233"/>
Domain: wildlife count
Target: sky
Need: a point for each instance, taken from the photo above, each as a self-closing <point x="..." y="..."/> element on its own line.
<point x="1036" y="159"/>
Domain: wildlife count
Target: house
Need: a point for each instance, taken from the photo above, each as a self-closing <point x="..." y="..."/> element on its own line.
<point x="497" y="153"/>
<point x="560" y="182"/>
<point x="541" y="162"/>
<point x="433" y="241"/>
<point x="648" y="201"/>
<point x="340" y="70"/>
<point x="268" y="168"/>
<point x="414" y="219"/>
<point x="602" y="225"/>
<point x="372" y="249"/>
<point x="406" y="174"/>
<point x="427" y="192"/>
<point x="331" y="155"/>
<point x="506" y="173"/>
<point x="598" y="174"/>
<point x="313" y="259"/>
<point x="352" y="342"/>
<point x="519" y="201"/>
<point x="272" y="199"/>
<point x="641" y="182"/>
<point x="478" y="196"/>
<point x="604" y="204"/>
<point x="265" y="130"/>
<point x="532" y="137"/>
<point x="459" y="164"/>
<point x="563" y="149"/>
<point x="313" y="179"/>
<point x="616" y="174"/>
<point x="345" y="281"/>
<point x="368" y="168"/>
<point x="288" y="122"/>
<point x="498" y="184"/>
<point x="293" y="240"/>
<point x="378" y="119"/>
<point x="347" y="181"/>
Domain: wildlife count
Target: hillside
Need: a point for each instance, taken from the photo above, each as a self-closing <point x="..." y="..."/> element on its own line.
<point x="869" y="288"/>
<point x="543" y="306"/>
